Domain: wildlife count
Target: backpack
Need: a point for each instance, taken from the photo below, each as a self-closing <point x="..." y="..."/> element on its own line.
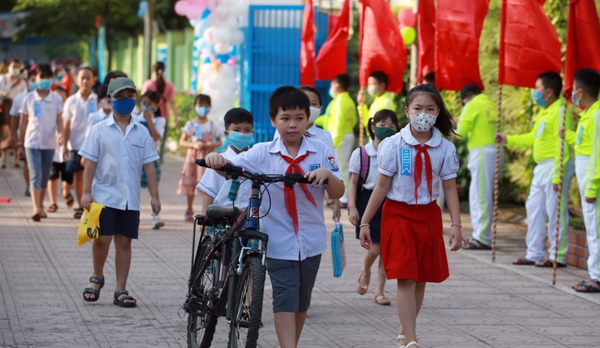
<point x="365" y="165"/>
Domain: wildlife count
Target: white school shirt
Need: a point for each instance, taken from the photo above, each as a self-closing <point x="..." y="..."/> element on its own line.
<point x="218" y="188"/>
<point x="41" y="123"/>
<point x="373" y="172"/>
<point x="96" y="117"/>
<point x="120" y="158"/>
<point x="159" y="123"/>
<point x="317" y="133"/>
<point x="396" y="157"/>
<point x="77" y="111"/>
<point x="8" y="89"/>
<point x="311" y="239"/>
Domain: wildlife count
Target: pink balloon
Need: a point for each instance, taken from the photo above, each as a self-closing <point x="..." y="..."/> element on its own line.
<point x="194" y="12"/>
<point x="232" y="61"/>
<point x="181" y="7"/>
<point x="407" y="17"/>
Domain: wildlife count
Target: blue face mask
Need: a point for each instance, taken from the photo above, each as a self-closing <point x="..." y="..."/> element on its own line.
<point x="202" y="111"/>
<point x="123" y="106"/>
<point x="537" y="98"/>
<point x="239" y="140"/>
<point x="44" y="84"/>
<point x="32" y="86"/>
<point x="575" y="101"/>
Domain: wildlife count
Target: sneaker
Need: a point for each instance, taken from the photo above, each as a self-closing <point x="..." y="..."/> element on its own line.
<point x="157" y="223"/>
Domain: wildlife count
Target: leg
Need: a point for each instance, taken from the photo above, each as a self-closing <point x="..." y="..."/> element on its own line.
<point x="190" y="202"/>
<point x="300" y="319"/>
<point x="285" y="326"/>
<point x="370" y="258"/>
<point x="551" y="206"/>
<point x="477" y="211"/>
<point x="407" y="307"/>
<point x="78" y="184"/>
<point x="53" y="191"/>
<point x="122" y="262"/>
<point x="381" y="279"/>
<point x="99" y="254"/>
<point x="536" y="218"/>
<point x="4" y="155"/>
<point x="34" y="159"/>
<point x="26" y="174"/>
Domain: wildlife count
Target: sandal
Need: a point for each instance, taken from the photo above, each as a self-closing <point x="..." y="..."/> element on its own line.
<point x="401" y="337"/>
<point x="93" y="291"/>
<point x="36" y="217"/>
<point x="523" y="261"/>
<point x="474" y="244"/>
<point x="52" y="208"/>
<point x="361" y="289"/>
<point x="69" y="200"/>
<point x="410" y="344"/>
<point x="549" y="263"/>
<point x="189" y="216"/>
<point x="382" y="300"/>
<point x="78" y="213"/>
<point x="43" y="215"/>
<point x="121" y="302"/>
<point x="587" y="287"/>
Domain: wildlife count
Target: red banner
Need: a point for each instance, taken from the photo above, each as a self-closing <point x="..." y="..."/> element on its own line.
<point x="307" y="46"/>
<point x="381" y="46"/>
<point x="331" y="60"/>
<point x="583" y="32"/>
<point x="457" y="33"/>
<point x="426" y="32"/>
<point x="529" y="43"/>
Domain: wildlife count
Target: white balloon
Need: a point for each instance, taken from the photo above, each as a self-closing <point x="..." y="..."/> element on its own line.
<point x="209" y="35"/>
<point x="227" y="72"/>
<point x="216" y="81"/>
<point x="222" y="35"/>
<point x="231" y="23"/>
<point x="237" y="9"/>
<point x="211" y="4"/>
<point x="222" y="48"/>
<point x="221" y="11"/>
<point x="226" y="2"/>
<point x="237" y="37"/>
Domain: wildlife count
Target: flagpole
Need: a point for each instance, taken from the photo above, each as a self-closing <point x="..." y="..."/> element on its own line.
<point x="561" y="169"/>
<point x="414" y="52"/>
<point x="496" y="176"/>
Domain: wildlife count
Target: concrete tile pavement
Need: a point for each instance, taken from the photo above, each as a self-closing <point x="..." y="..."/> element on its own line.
<point x="43" y="273"/>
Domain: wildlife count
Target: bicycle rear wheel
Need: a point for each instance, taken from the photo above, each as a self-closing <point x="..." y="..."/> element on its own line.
<point x="247" y="312"/>
<point x="202" y="321"/>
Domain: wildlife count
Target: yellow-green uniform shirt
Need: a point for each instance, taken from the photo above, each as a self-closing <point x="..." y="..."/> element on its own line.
<point x="478" y="122"/>
<point x="586" y="140"/>
<point x="544" y="136"/>
<point x="339" y="118"/>
<point x="382" y="102"/>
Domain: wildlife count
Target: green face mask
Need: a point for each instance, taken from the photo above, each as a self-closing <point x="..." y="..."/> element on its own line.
<point x="384" y="132"/>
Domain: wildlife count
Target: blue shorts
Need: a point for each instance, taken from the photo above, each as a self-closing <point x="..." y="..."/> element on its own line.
<point x="39" y="162"/>
<point x="292" y="283"/>
<point x="123" y="222"/>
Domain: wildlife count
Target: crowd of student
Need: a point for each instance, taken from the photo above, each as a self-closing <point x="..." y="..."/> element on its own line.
<point x="107" y="144"/>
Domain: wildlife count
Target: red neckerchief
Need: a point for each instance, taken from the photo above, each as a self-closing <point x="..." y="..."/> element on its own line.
<point x="289" y="193"/>
<point x="422" y="149"/>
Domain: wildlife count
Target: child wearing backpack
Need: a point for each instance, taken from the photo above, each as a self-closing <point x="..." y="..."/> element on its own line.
<point x="363" y="177"/>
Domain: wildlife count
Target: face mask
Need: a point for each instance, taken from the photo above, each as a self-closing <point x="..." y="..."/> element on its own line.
<point x="372" y="90"/>
<point x="32" y="86"/>
<point x="105" y="105"/>
<point x="58" y="77"/>
<point x="123" y="106"/>
<point x="44" y="84"/>
<point x="384" y="132"/>
<point x="332" y="93"/>
<point x="422" y="122"/>
<point x="13" y="71"/>
<point x="202" y="111"/>
<point x="314" y="114"/>
<point x="538" y="99"/>
<point x="148" y="107"/>
<point x="575" y="101"/>
<point x="239" y="140"/>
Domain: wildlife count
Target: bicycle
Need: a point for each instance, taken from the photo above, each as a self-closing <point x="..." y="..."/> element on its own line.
<point x="228" y="270"/>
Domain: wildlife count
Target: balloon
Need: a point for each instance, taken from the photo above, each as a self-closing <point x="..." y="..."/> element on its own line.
<point x="221" y="11"/>
<point x="408" y="35"/>
<point x="205" y="13"/>
<point x="237" y="37"/>
<point x="232" y="61"/>
<point x="225" y="3"/>
<point x="211" y="4"/>
<point x="222" y="48"/>
<point x="222" y="35"/>
<point x="209" y="35"/>
<point x="237" y="10"/>
<point x="194" y="12"/>
<point x="231" y="23"/>
<point x="215" y="20"/>
<point x="223" y="58"/>
<point x="407" y="17"/>
<point x="181" y="7"/>
<point x="227" y="71"/>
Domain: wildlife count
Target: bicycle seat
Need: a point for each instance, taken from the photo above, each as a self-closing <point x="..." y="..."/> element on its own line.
<point x="218" y="212"/>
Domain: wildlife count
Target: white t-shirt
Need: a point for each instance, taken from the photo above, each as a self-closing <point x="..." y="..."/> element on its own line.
<point x="10" y="89"/>
<point x="159" y="123"/>
<point x="42" y="120"/>
<point x="317" y="133"/>
<point x="284" y="243"/>
<point x="396" y="157"/>
<point x="192" y="127"/>
<point x="77" y="111"/>
<point x="373" y="172"/>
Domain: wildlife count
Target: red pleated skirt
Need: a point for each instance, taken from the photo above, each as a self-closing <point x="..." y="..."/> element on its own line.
<point x="412" y="242"/>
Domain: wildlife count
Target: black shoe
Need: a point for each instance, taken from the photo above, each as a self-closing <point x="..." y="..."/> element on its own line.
<point x="27" y="192"/>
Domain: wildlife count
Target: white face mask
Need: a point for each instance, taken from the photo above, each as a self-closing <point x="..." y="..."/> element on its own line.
<point x="372" y="90"/>
<point x="422" y="122"/>
<point x="314" y="114"/>
<point x="13" y="71"/>
<point x="105" y="105"/>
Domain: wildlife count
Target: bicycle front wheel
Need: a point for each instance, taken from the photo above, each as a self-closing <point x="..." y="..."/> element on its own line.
<point x="247" y="312"/>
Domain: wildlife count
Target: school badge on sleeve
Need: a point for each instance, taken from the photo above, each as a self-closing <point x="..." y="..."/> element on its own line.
<point x="333" y="164"/>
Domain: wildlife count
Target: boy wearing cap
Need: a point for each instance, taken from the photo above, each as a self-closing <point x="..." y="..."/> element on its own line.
<point x="116" y="150"/>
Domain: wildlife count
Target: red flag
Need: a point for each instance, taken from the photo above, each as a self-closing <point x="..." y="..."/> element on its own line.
<point x="307" y="46"/>
<point x="583" y="31"/>
<point x="381" y="46"/>
<point x="457" y="33"/>
<point x="529" y="43"/>
<point x="426" y="32"/>
<point x="331" y="60"/>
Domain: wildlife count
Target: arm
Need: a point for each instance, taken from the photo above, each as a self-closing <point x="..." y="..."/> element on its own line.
<point x="183" y="142"/>
<point x="382" y="187"/>
<point x="352" y="190"/>
<point x="23" y="129"/>
<point x="524" y="140"/>
<point x="466" y="121"/>
<point x="88" y="177"/>
<point x="213" y="145"/>
<point x="152" y="186"/>
<point x="322" y="121"/>
<point x="60" y="128"/>
<point x="14" y="124"/>
<point x="456" y="240"/>
<point x="148" y="115"/>
<point x="66" y="137"/>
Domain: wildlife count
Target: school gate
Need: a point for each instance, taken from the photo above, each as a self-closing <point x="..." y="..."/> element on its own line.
<point x="271" y="58"/>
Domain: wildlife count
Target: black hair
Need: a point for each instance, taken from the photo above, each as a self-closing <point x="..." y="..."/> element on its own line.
<point x="102" y="91"/>
<point x="380" y="76"/>
<point x="429" y="78"/>
<point x="203" y="98"/>
<point x="444" y="122"/>
<point x="343" y="80"/>
<point x="113" y="75"/>
<point x="159" y="69"/>
<point x="588" y="79"/>
<point x="237" y="116"/>
<point x="152" y="95"/>
<point x="45" y="71"/>
<point x="288" y="98"/>
<point x="88" y="68"/>
<point x="382" y="115"/>
<point x="313" y="90"/>
<point x="552" y="81"/>
<point x="470" y="91"/>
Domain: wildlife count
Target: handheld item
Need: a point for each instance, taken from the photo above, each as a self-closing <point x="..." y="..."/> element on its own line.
<point x="338" y="251"/>
<point x="89" y="226"/>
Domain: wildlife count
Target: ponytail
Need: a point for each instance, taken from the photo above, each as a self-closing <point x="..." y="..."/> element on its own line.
<point x="159" y="69"/>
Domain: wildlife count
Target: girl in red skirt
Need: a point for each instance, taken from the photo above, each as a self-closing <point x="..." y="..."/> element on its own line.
<point x="411" y="165"/>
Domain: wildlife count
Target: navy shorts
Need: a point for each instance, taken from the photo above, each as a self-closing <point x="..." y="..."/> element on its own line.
<point x="123" y="222"/>
<point x="73" y="163"/>
<point x="59" y="169"/>
<point x="292" y="283"/>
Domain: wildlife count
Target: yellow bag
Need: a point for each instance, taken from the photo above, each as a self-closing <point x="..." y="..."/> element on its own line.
<point x="89" y="227"/>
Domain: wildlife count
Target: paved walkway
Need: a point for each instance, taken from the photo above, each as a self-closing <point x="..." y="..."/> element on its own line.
<point x="43" y="273"/>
